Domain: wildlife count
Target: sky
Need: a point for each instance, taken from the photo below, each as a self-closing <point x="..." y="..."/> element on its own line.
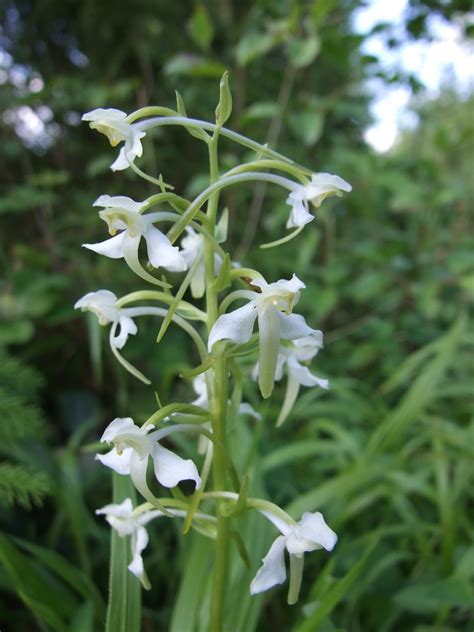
<point x="432" y="62"/>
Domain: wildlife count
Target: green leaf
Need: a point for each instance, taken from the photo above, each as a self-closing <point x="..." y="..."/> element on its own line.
<point x="330" y="598"/>
<point x="223" y="279"/>
<point x="48" y="599"/>
<point x="253" y="45"/>
<point x="124" y="608"/>
<point x="200" y="27"/>
<point x="432" y="597"/>
<point x="197" y="132"/>
<point x="224" y="107"/>
<point x="302" y="52"/>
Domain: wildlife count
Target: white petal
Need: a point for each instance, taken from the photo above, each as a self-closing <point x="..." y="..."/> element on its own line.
<point x="161" y="253"/>
<point x="272" y="571"/>
<point x="304" y="376"/>
<point x="118" y="201"/>
<point x="283" y="527"/>
<point x="121" y="510"/>
<point x="117" y="427"/>
<point x="236" y="326"/>
<point x="127" y="328"/>
<point x="112" y="247"/>
<point x="100" y="297"/>
<point x="299" y="215"/>
<point x="293" y="326"/>
<point x="313" y="527"/>
<point x="120" y="463"/>
<point x="246" y="409"/>
<point x="133" y="145"/>
<point x="139" y="543"/>
<point x="104" y="114"/>
<point x="170" y="468"/>
<point x="121" y="162"/>
<point x="293" y="285"/>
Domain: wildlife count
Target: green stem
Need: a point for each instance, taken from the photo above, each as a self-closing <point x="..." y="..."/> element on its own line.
<point x="217" y="395"/>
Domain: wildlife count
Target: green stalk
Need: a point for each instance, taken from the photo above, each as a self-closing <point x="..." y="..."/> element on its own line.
<point x="217" y="394"/>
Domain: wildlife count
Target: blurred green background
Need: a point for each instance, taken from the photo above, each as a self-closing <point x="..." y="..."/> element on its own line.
<point x="386" y="454"/>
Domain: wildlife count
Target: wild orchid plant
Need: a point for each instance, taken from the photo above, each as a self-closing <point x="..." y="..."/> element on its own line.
<point x="220" y="334"/>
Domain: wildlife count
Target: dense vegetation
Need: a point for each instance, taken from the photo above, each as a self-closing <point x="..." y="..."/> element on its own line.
<point x="386" y="453"/>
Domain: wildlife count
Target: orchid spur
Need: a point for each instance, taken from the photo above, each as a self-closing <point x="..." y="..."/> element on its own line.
<point x="113" y="124"/>
<point x="290" y="356"/>
<point x="271" y="304"/>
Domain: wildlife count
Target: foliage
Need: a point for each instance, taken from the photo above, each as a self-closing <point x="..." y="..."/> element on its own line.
<point x="388" y="452"/>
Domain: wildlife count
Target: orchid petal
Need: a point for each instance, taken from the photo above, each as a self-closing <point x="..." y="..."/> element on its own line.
<point x="313" y="527"/>
<point x="170" y="468"/>
<point x="236" y="326"/>
<point x="113" y="247"/>
<point x="120" y="463"/>
<point x="246" y="409"/>
<point x="127" y="327"/>
<point x="299" y="215"/>
<point x="118" y="426"/>
<point x="293" y="326"/>
<point x="272" y="571"/>
<point x="139" y="543"/>
<point x="161" y="253"/>
<point x="303" y="375"/>
<point x="121" y="161"/>
<point x="120" y="202"/>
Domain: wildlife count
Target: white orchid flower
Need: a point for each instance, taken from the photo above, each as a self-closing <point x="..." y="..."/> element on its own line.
<point x="103" y="304"/>
<point x="127" y="521"/>
<point x="290" y="356"/>
<point x="134" y="445"/>
<point x="309" y="534"/>
<point x="113" y="124"/>
<point x="200" y="388"/>
<point x="121" y="213"/>
<point x="192" y="250"/>
<point x="272" y="307"/>
<point x="322" y="185"/>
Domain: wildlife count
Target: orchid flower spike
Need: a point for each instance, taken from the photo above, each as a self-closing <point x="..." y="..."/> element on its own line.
<point x="272" y="305"/>
<point x="322" y="185"/>
<point x="309" y="534"/>
<point x="133" y="445"/>
<point x="103" y="304"/>
<point x="127" y="521"/>
<point x="123" y="214"/>
<point x="113" y="124"/>
<point x="192" y="250"/>
<point x="290" y="357"/>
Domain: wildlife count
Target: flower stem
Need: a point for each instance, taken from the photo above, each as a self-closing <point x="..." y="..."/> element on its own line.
<point x="217" y="396"/>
